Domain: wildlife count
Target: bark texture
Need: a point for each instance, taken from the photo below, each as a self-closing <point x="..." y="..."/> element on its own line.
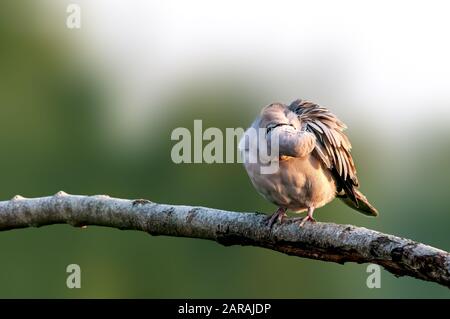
<point x="322" y="241"/>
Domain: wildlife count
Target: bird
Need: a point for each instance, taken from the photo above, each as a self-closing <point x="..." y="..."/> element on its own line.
<point x="313" y="161"/>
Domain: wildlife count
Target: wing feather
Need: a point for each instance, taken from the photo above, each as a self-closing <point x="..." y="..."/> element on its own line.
<point x="316" y="127"/>
<point x="332" y="147"/>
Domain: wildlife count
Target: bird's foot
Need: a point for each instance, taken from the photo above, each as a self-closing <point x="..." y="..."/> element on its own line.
<point x="308" y="217"/>
<point x="305" y="219"/>
<point x="279" y="215"/>
<point x="141" y="202"/>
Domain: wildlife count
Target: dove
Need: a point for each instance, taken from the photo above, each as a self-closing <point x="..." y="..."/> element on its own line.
<point x="314" y="163"/>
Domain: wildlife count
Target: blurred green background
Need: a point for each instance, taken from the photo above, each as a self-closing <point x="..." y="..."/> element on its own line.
<point x="60" y="129"/>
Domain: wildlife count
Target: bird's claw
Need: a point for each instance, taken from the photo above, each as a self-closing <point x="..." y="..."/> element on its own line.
<point x="279" y="216"/>
<point x="305" y="219"/>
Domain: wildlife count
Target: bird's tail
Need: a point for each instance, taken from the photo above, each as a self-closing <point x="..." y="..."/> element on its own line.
<point x="363" y="205"/>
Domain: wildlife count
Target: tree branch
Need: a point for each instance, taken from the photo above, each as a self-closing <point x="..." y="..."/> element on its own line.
<point x="322" y="241"/>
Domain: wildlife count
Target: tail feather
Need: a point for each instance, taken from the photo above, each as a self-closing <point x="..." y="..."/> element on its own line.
<point x="362" y="206"/>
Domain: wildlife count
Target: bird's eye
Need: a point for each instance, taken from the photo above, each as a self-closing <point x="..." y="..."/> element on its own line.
<point x="270" y="127"/>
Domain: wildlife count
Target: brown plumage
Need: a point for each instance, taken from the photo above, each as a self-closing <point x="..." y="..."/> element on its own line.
<point x="315" y="163"/>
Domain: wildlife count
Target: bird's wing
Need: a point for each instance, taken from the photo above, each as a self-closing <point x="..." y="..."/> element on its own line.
<point x="332" y="145"/>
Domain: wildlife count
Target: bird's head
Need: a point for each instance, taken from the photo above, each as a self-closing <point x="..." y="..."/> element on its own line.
<point x="277" y="114"/>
